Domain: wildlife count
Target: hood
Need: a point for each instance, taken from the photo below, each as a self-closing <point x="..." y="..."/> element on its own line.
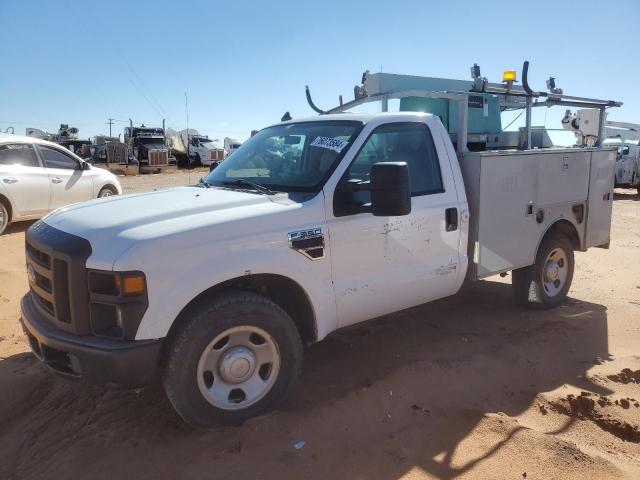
<point x="115" y="223"/>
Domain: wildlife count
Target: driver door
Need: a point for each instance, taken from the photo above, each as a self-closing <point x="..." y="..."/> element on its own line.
<point x="69" y="184"/>
<point x="385" y="264"/>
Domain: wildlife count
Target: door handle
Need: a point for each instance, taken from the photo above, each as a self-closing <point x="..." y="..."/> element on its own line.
<point x="451" y="219"/>
<point x="10" y="180"/>
<point x="56" y="180"/>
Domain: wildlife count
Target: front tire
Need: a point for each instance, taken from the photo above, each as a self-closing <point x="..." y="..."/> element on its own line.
<point x="4" y="218"/>
<point x="107" y="191"/>
<point x="236" y="356"/>
<point x="545" y="284"/>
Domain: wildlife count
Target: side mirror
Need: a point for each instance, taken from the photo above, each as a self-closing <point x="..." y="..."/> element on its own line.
<point x="390" y="189"/>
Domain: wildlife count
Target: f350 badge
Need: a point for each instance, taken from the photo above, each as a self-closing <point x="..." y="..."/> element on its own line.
<point x="308" y="242"/>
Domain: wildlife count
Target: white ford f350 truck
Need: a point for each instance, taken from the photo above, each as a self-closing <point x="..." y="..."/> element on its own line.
<point x="312" y="225"/>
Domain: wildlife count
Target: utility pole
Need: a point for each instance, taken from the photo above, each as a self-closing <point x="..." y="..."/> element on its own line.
<point x="110" y="122"/>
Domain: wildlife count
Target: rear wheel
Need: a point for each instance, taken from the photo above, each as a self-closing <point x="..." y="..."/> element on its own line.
<point x="546" y="283"/>
<point x="4" y="218"/>
<point x="236" y="356"/>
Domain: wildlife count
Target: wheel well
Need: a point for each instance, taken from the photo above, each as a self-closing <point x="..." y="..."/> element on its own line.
<point x="5" y="201"/>
<point x="283" y="291"/>
<point x="566" y="228"/>
<point x="108" y="186"/>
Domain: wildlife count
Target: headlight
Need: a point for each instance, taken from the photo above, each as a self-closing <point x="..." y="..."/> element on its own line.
<point x="117" y="283"/>
<point x="118" y="301"/>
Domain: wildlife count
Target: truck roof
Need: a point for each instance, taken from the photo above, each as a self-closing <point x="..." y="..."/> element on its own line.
<point x="359" y="117"/>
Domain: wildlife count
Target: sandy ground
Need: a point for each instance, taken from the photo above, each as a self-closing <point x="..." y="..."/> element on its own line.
<point x="466" y="387"/>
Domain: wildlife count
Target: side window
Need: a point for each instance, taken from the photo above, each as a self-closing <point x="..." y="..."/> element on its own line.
<point x="18" y="154"/>
<point x="56" y="159"/>
<point x="410" y="143"/>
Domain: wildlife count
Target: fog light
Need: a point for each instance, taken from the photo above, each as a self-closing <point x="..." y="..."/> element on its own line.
<point x="106" y="320"/>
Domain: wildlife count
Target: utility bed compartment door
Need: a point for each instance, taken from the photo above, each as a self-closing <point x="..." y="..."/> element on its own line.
<point x="507" y="234"/>
<point x="600" y="203"/>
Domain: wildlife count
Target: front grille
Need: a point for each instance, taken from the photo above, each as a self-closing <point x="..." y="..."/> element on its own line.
<point x="158" y="157"/>
<point x="61" y="281"/>
<point x="44" y="303"/>
<point x="56" y="267"/>
<point x="44" y="282"/>
<point x="40" y="257"/>
<point x="49" y="287"/>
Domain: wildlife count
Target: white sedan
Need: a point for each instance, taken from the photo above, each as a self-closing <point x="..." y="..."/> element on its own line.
<point x="38" y="176"/>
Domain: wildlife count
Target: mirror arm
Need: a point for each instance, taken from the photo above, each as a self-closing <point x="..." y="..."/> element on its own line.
<point x="357" y="186"/>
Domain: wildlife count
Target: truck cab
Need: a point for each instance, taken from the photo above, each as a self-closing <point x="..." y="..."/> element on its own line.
<point x="147" y="148"/>
<point x="627" y="163"/>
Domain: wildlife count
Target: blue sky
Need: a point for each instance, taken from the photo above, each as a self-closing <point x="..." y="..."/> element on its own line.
<point x="243" y="64"/>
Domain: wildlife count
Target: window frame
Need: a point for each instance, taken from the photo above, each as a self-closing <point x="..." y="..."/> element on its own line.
<point x="340" y="205"/>
<point x="65" y="152"/>
<point x="25" y="144"/>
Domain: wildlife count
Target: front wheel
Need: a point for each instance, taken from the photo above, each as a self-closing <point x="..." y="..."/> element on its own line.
<point x="107" y="191"/>
<point x="4" y="218"/>
<point x="235" y="357"/>
<point x="545" y="284"/>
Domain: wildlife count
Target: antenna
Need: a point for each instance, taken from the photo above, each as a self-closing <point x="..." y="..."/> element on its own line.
<point x="186" y="110"/>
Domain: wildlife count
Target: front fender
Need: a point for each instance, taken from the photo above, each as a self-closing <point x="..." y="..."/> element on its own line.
<point x="172" y="288"/>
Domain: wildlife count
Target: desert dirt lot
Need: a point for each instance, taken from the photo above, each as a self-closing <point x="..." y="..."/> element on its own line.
<point x="469" y="386"/>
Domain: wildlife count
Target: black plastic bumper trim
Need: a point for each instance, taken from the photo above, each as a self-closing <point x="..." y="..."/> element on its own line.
<point x="112" y="363"/>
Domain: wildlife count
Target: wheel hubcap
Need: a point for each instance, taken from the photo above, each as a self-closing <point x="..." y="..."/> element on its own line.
<point x="238" y="367"/>
<point x="555" y="272"/>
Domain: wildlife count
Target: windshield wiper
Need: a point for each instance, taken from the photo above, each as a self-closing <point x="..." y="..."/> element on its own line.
<point x="204" y="183"/>
<point x="247" y="183"/>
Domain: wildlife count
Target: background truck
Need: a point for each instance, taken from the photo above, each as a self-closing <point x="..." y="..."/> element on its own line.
<point x="311" y="225"/>
<point x="67" y="137"/>
<point x="190" y="146"/>
<point x="624" y="136"/>
<point x="231" y="145"/>
<point x="99" y="147"/>
<point x="148" y="148"/>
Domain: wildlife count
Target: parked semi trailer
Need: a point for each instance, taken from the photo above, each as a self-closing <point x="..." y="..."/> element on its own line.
<point x="312" y="225"/>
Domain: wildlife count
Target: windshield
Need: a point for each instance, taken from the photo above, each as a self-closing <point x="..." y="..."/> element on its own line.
<point x="291" y="157"/>
<point x="150" y="140"/>
<point x="203" y="139"/>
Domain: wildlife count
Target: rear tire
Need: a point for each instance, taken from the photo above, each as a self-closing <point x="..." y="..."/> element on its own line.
<point x="4" y="218"/>
<point x="236" y="356"/>
<point x="545" y="284"/>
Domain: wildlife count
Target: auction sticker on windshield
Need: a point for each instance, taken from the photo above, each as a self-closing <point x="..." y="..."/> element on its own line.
<point x="334" y="144"/>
